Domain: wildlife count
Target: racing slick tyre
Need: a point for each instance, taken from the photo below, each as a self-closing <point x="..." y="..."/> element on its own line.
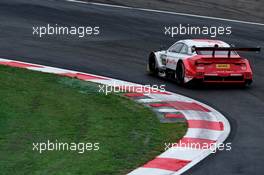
<point x="151" y="66"/>
<point x="248" y="83"/>
<point x="180" y="73"/>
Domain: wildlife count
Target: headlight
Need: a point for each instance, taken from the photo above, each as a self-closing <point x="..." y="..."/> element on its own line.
<point x="163" y="59"/>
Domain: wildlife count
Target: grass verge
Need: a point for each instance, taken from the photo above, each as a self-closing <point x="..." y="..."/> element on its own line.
<point x="36" y="107"/>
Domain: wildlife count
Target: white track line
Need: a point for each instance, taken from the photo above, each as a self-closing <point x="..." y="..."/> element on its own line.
<point x="203" y="133"/>
<point x="167" y="12"/>
<point x="149" y="100"/>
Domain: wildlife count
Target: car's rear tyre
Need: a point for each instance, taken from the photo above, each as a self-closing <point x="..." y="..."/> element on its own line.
<point x="180" y="72"/>
<point x="152" y="68"/>
<point x="248" y="83"/>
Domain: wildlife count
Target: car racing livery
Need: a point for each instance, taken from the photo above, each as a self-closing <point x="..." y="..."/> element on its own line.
<point x="209" y="61"/>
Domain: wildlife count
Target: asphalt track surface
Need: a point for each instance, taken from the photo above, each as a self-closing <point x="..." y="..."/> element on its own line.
<point x="235" y="9"/>
<point x="120" y="52"/>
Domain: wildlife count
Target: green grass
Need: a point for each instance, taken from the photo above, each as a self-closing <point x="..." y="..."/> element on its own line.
<point x="36" y="107"/>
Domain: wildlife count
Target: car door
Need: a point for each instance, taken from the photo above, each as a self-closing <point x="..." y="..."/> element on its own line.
<point x="184" y="53"/>
<point x="173" y="55"/>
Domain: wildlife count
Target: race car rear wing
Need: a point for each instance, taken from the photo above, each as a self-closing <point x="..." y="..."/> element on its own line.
<point x="229" y="49"/>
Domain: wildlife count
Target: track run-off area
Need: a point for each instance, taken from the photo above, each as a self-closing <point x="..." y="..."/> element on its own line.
<point x="207" y="128"/>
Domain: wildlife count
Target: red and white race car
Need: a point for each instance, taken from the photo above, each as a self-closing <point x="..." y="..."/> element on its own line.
<point x="210" y="61"/>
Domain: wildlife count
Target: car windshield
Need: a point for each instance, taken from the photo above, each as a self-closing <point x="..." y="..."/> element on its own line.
<point x="216" y="53"/>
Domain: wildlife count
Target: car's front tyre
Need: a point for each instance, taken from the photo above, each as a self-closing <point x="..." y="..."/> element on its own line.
<point x="152" y="65"/>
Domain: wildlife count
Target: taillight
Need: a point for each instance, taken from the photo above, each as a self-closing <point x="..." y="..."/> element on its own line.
<point x="243" y="66"/>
